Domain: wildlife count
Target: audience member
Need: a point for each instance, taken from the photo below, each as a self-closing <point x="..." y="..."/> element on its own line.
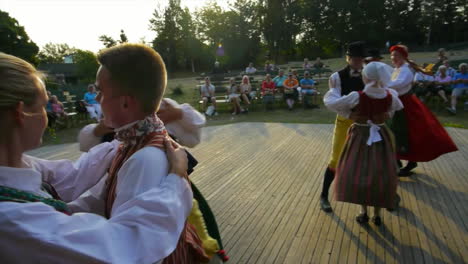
<point x="268" y="90"/>
<point x="93" y="107"/>
<point x="279" y="80"/>
<point x="233" y="92"/>
<point x="460" y="87"/>
<point x="207" y="92"/>
<point x="308" y="90"/>
<point x="250" y="69"/>
<point x="290" y="90"/>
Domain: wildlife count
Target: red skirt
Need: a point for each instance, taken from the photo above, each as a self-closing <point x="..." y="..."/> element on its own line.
<point x="427" y="138"/>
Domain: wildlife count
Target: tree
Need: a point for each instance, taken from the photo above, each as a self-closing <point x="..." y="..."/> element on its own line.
<point x="55" y="53"/>
<point x="107" y="41"/>
<point x="87" y="64"/>
<point x="14" y="40"/>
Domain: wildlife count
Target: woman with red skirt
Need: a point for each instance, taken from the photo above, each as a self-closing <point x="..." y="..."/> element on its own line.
<point x="419" y="135"/>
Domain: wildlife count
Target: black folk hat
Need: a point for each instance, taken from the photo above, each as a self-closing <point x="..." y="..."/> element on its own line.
<point x="374" y="54"/>
<point x="357" y="49"/>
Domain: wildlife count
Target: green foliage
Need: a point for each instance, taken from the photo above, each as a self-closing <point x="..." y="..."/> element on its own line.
<point x="14" y="40"/>
<point x="107" y="41"/>
<point x="55" y="53"/>
<point x="87" y="65"/>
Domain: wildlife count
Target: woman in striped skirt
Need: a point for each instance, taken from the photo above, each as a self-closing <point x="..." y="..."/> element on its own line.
<point x="367" y="170"/>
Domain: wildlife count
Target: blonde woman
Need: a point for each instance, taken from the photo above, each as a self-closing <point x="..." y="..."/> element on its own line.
<point x="246" y="91"/>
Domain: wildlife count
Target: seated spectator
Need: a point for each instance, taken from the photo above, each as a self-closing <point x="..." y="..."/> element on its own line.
<point x="279" y="80"/>
<point x="57" y="107"/>
<point x="318" y="65"/>
<point x="460" y="87"/>
<point x="268" y="90"/>
<point x="51" y="117"/>
<point x="306" y="66"/>
<point x="251" y="69"/>
<point x="233" y="93"/>
<point x="246" y="91"/>
<point x="290" y="90"/>
<point x="207" y="92"/>
<point x="442" y="83"/>
<point x="308" y="90"/>
<point x="423" y="83"/>
<point x="93" y="107"/>
<point x="295" y="74"/>
<point x="450" y="71"/>
<point x="441" y="57"/>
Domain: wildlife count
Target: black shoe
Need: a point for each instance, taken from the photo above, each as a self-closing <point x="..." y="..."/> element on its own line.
<point x="377" y="220"/>
<point x="362" y="218"/>
<point x="404" y="173"/>
<point x="399" y="163"/>
<point x="410" y="166"/>
<point x="325" y="205"/>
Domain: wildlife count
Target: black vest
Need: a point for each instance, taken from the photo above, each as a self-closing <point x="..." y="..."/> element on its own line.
<point x="350" y="84"/>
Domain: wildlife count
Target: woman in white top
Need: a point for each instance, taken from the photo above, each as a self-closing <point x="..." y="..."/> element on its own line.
<point x="233" y="94"/>
<point x="246" y="91"/>
<point x="49" y="230"/>
<point x="415" y="125"/>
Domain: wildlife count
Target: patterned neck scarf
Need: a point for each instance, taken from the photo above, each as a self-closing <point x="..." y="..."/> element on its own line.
<point x="134" y="136"/>
<point x="132" y="133"/>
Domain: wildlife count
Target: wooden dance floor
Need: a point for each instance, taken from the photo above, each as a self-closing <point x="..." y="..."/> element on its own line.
<point x="263" y="182"/>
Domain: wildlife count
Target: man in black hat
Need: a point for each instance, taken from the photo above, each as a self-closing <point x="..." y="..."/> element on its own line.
<point x="341" y="83"/>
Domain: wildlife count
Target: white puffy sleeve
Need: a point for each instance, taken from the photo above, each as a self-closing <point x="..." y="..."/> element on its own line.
<point x="334" y="92"/>
<point x="188" y="129"/>
<point x="144" y="228"/>
<point x="396" y="102"/>
<point x="343" y="105"/>
<point x="403" y="81"/>
<point x="71" y="179"/>
<point x="87" y="139"/>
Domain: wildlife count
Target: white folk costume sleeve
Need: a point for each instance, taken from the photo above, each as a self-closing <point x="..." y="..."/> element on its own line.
<point x="334" y="93"/>
<point x="143" y="229"/>
<point x="345" y="104"/>
<point x="402" y="79"/>
<point x="71" y="179"/>
<point x="87" y="139"/>
<point x="188" y="129"/>
<point x="396" y="102"/>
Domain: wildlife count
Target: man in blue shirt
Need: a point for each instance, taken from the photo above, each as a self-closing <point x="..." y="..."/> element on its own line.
<point x="279" y="80"/>
<point x="307" y="90"/>
<point x="460" y="87"/>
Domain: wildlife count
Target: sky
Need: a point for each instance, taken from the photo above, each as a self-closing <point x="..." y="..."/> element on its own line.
<point x="79" y="23"/>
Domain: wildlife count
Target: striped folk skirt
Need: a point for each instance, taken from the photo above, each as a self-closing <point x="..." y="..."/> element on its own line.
<point x="367" y="175"/>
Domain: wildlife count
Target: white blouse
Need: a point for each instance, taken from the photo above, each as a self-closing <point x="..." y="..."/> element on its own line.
<point x="402" y="79"/>
<point x="148" y="214"/>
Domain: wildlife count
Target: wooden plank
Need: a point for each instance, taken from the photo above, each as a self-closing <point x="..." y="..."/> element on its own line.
<point x="263" y="183"/>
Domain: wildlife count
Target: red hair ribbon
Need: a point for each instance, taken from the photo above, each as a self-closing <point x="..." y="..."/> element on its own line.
<point x="403" y="50"/>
